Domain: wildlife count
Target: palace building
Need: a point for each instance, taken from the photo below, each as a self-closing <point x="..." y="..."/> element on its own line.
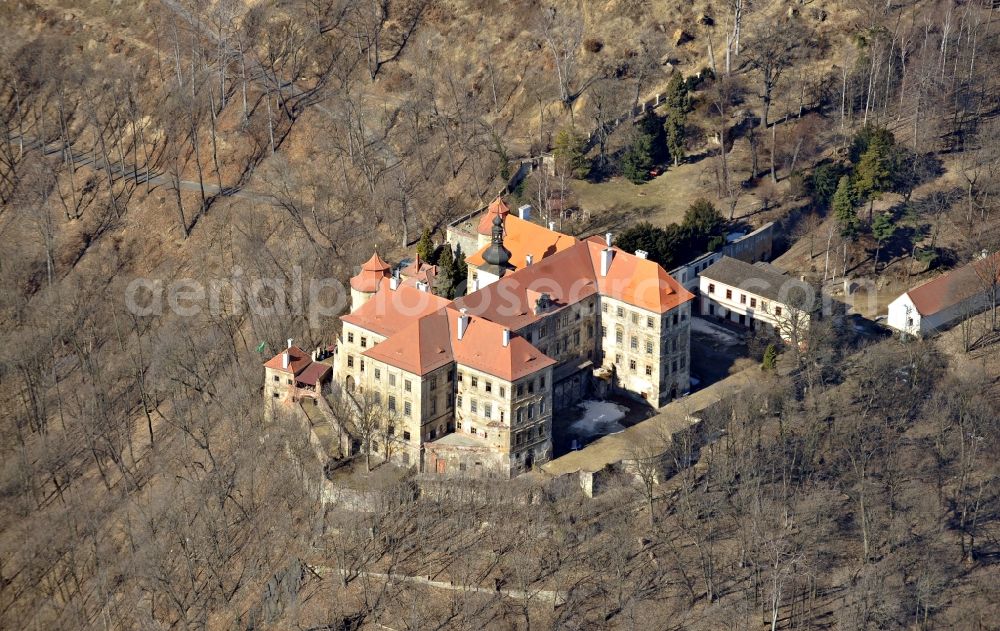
<point x="471" y="385"/>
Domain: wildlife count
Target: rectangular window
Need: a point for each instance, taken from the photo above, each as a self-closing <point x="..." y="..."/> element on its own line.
<point x="635" y="318"/>
<point x="433" y="434"/>
<point x="473" y="429"/>
<point x="276" y="378"/>
<point x="621" y="312"/>
<point x="531" y="411"/>
<point x="673" y="344"/>
<point x="458" y="402"/>
<point x="459" y="376"/>
<point x="350" y="361"/>
<point x="619" y="336"/>
<point x="473" y="407"/>
<point x="576" y="338"/>
<point x="408" y="386"/>
<point x="503" y="392"/>
<point x="434" y="406"/>
<point x="407" y="408"/>
<point x="604" y="331"/>
<point x="392" y="379"/>
<point x="743" y="299"/>
<point x="683" y="362"/>
<point x="604" y="307"/>
<point x="649" y="370"/>
<point x="434" y="382"/>
<point x="350" y="338"/>
<point x="289" y="381"/>
<point x="362" y="365"/>
<point x="392" y="403"/>
<point x="631" y="365"/>
<point x="378" y="374"/>
<point x="673" y="366"/>
<point x="729" y="294"/>
<point x="634" y="343"/>
<point x="649" y="322"/>
<point x="406" y="435"/>
<point x="618" y="358"/>
<point x="711" y="288"/>
<point x="451" y="376"/>
<point x="364" y="342"/>
<point x="489" y="386"/>
<point x="541" y="382"/>
<point x="763" y="305"/>
<point x="541" y="407"/>
<point x="520" y="389"/>
<point x="777" y="311"/>
<point x="475" y="381"/>
<point x="531" y="387"/>
<point x="753" y="303"/>
<point x="675" y="319"/>
<point x="649" y="347"/>
<point x="488" y="410"/>
<point x="520" y="414"/>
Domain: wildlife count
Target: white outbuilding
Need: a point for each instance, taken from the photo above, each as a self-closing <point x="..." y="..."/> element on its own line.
<point x="947" y="299"/>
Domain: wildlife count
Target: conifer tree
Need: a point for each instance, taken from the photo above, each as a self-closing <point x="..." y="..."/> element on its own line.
<point x="639" y="159"/>
<point x="843" y="208"/>
<point x="425" y="247"/>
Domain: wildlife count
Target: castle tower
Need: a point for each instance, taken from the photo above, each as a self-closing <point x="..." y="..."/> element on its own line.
<point x="496" y="209"/>
<point x="496" y="258"/>
<point x="366" y="283"/>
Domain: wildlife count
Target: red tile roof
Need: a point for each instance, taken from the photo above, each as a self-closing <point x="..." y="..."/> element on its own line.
<point x="496" y="207"/>
<point x="420" y="270"/>
<point x="298" y="360"/>
<point x="523" y="238"/>
<point x="389" y="311"/>
<point x="571" y="276"/>
<point x="955" y="286"/>
<point x="371" y="274"/>
<point x="314" y="373"/>
<point x="432" y="342"/>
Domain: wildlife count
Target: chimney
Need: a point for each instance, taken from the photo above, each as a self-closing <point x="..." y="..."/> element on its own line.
<point x="463" y="323"/>
<point x="422" y="286"/>
<point x="524" y="212"/>
<point x="285" y="360"/>
<point x="642" y="254"/>
<point x="606" y="255"/>
<point x="394" y="283"/>
<point x="607" y="239"/>
<point x="312" y="355"/>
<point x="475" y="284"/>
<point x="552" y="226"/>
<point x="506" y="338"/>
<point x="528" y="260"/>
<point x="290" y="340"/>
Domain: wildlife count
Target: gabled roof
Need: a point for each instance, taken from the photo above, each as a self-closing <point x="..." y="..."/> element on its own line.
<point x="636" y="281"/>
<point x="419" y="347"/>
<point x="496" y="207"/>
<point x="570" y="276"/>
<point x="764" y="280"/>
<point x="313" y="373"/>
<point x="523" y="238"/>
<point x="298" y="360"/>
<point x="432" y="342"/>
<point x="954" y="287"/>
<point x="390" y="310"/>
<point x="371" y="274"/>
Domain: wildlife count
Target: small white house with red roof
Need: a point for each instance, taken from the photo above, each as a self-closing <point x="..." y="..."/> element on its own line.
<point x="947" y="299"/>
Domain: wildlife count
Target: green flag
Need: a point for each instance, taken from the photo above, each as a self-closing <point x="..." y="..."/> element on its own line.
<point x="260" y="347"/>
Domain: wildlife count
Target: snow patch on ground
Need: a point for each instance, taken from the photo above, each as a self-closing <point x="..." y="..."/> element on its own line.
<point x="707" y="328"/>
<point x="599" y="419"/>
